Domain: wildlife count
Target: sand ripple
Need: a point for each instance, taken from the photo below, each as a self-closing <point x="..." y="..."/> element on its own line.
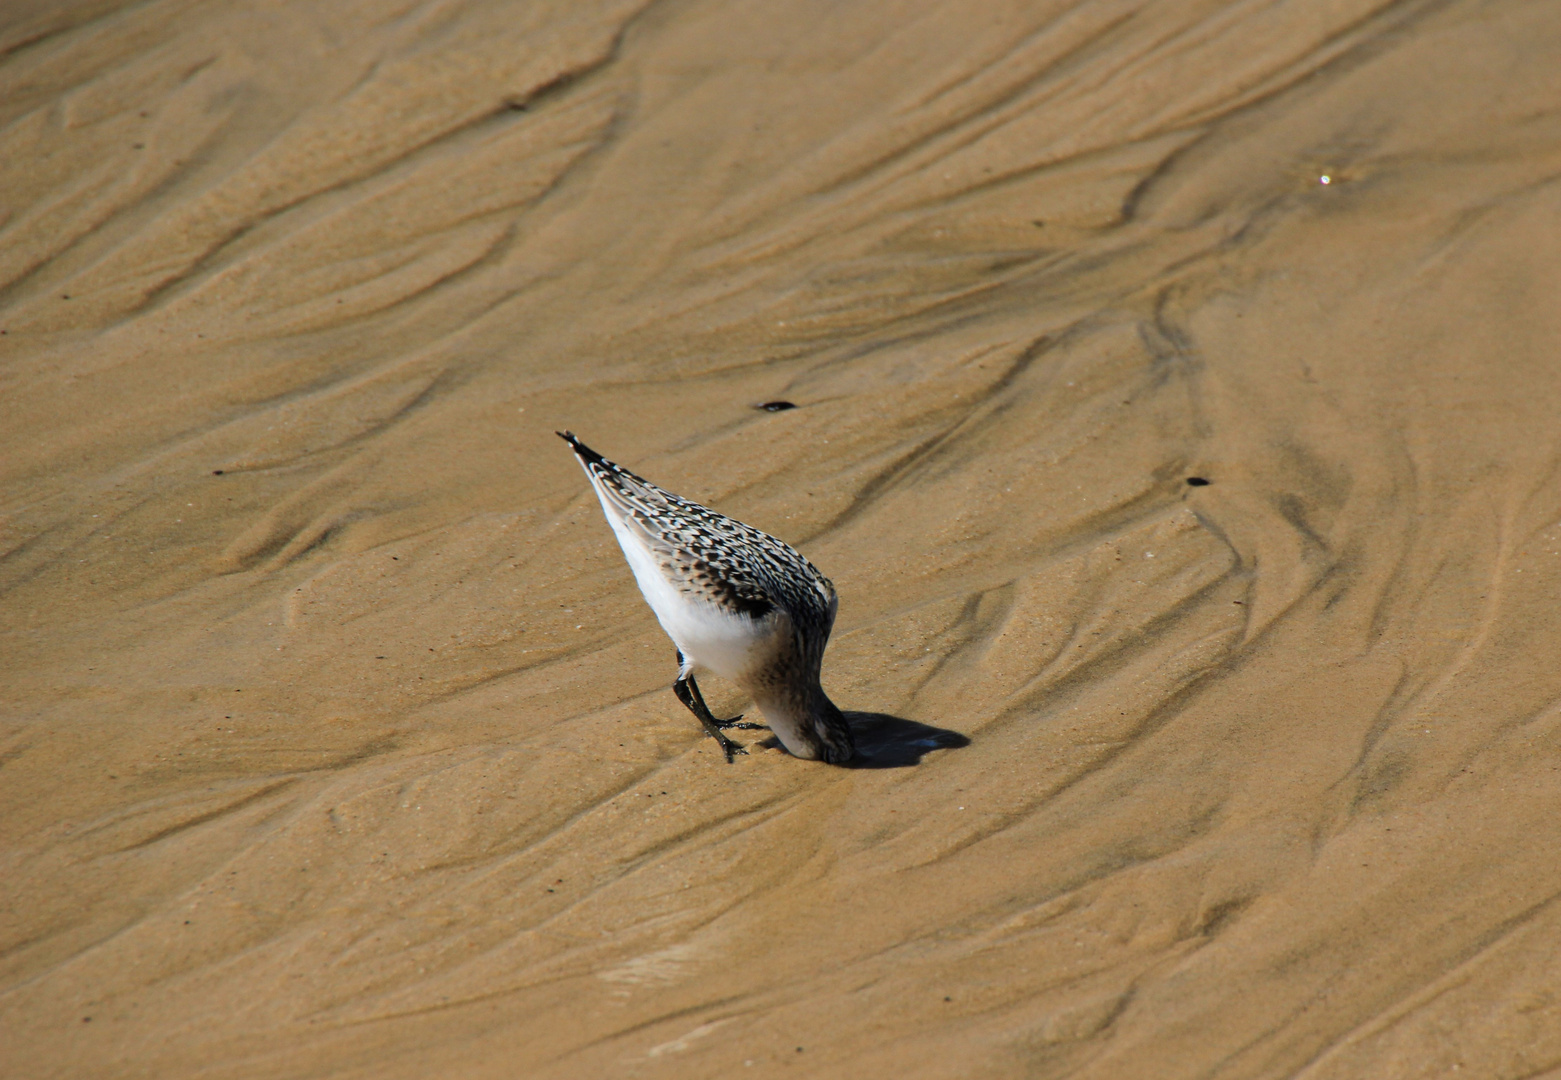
<point x="338" y="741"/>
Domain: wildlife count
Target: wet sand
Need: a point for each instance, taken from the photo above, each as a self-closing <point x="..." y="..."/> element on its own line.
<point x="337" y="740"/>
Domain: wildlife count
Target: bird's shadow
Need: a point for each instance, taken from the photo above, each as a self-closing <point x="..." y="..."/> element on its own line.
<point x="890" y="742"/>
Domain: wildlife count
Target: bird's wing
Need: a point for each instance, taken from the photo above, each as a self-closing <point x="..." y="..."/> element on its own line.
<point x="709" y="554"/>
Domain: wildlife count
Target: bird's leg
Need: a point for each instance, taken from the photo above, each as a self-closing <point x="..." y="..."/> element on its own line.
<point x="734" y="722"/>
<point x="689" y="695"/>
<point x="686" y="674"/>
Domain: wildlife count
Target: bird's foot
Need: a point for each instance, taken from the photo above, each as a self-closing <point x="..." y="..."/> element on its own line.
<point x="729" y="747"/>
<point x="735" y="722"/>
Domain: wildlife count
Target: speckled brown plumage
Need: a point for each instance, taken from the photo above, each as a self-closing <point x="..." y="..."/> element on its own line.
<point x="710" y="578"/>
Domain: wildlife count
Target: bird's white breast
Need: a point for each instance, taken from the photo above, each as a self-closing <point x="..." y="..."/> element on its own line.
<point x="716" y="639"/>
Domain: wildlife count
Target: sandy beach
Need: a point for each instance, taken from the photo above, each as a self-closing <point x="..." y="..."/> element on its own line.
<point x="1177" y="389"/>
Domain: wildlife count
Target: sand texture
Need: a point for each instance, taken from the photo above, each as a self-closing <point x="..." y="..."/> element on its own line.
<point x="337" y="741"/>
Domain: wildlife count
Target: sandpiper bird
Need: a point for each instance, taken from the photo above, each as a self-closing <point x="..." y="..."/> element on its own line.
<point x="735" y="601"/>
